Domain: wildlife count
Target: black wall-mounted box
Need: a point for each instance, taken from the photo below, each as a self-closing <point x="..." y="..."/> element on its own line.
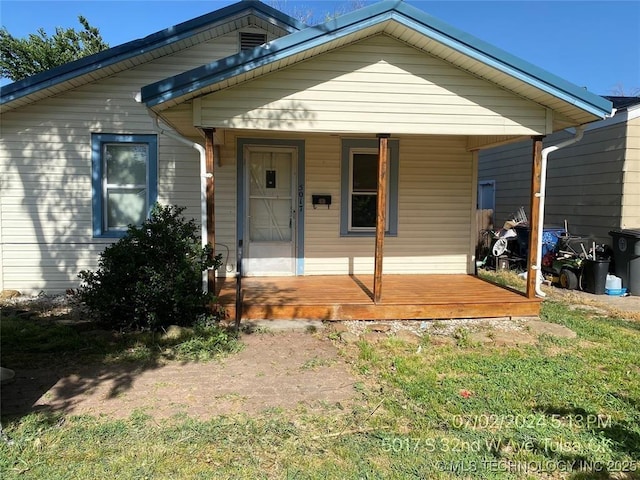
<point x="271" y="179"/>
<point x="321" y="200"/>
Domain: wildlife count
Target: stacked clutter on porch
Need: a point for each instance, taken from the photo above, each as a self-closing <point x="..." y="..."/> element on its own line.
<point x="573" y="266"/>
<point x="572" y="262"/>
<point x="501" y="249"/>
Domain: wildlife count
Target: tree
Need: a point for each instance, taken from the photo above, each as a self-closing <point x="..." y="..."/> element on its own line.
<point x="306" y="14"/>
<point x="620" y="91"/>
<point x="23" y="57"/>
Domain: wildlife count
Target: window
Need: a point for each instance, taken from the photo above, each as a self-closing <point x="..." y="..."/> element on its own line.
<point x="360" y="188"/>
<point x="124" y="181"/>
<point x="249" y="40"/>
<point x="363" y="196"/>
<point x="486" y="195"/>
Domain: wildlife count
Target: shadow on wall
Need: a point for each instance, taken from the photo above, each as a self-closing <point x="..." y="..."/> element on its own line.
<point x="46" y="190"/>
<point x="47" y="205"/>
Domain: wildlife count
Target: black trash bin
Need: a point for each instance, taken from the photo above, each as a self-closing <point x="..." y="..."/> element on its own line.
<point x="626" y="255"/>
<point x="594" y="275"/>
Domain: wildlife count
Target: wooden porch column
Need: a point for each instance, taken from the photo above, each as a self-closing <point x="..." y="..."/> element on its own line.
<point x="381" y="214"/>
<point x="211" y="216"/>
<point x="534" y="217"/>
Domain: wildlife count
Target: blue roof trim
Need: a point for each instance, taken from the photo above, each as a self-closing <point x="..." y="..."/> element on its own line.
<point x="137" y="47"/>
<point x="483" y="51"/>
<point x="196" y="79"/>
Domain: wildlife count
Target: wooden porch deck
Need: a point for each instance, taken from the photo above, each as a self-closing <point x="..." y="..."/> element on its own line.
<point x="349" y="297"/>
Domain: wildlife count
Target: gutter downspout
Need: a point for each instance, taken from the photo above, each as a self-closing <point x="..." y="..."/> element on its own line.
<point x="543" y="183"/>
<point x="203" y="183"/>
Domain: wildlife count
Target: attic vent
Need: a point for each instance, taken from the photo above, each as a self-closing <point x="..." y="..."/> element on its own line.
<point x="251" y="40"/>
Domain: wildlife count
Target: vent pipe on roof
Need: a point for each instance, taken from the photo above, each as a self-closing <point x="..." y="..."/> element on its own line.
<point x="543" y="184"/>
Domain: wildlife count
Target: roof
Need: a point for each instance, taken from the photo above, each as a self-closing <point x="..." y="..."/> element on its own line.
<point x="623" y="103"/>
<point x="142" y="49"/>
<point x="404" y="22"/>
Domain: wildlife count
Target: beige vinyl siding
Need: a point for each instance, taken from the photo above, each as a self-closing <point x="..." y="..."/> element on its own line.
<point x="46" y="233"/>
<point x="2" y="182"/>
<point x="376" y="85"/>
<point x="490" y="141"/>
<point x="435" y="185"/>
<point x="435" y="196"/>
<point x="584" y="181"/>
<point x="221" y="39"/>
<point x="631" y="187"/>
<point x="181" y="119"/>
<point x="30" y="268"/>
<point x="225" y="204"/>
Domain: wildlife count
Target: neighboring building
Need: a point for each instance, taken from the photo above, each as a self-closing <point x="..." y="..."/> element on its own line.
<point x="594" y="184"/>
<point x="281" y="123"/>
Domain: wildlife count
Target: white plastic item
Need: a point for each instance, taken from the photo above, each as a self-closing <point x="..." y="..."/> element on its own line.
<point x="613" y="282"/>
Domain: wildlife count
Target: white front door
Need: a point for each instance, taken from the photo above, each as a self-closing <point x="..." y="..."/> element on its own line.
<point x="271" y="217"/>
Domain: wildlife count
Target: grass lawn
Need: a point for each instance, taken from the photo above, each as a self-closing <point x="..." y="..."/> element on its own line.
<point x="559" y="409"/>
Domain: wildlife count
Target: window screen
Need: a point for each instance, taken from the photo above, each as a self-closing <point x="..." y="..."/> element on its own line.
<point x="124" y="181"/>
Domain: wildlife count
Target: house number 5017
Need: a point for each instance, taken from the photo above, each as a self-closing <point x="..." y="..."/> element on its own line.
<point x="300" y="197"/>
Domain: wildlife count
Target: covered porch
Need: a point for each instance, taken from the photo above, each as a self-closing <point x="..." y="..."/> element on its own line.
<point x="381" y="114"/>
<point x="350" y="297"/>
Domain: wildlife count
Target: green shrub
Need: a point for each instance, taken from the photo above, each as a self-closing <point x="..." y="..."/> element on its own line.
<point x="152" y="277"/>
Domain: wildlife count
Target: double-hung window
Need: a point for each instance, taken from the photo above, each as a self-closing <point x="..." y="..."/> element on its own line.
<point x="124" y="181"/>
<point x="363" y="195"/>
<point x="360" y="188"/>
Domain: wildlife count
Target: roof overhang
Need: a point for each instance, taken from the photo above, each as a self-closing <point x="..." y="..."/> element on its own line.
<point x="573" y="104"/>
<point x="136" y="52"/>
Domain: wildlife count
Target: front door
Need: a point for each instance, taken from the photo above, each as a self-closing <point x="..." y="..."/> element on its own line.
<point x="271" y="216"/>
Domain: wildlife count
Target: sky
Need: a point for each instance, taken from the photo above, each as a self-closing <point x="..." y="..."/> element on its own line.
<point x="593" y="44"/>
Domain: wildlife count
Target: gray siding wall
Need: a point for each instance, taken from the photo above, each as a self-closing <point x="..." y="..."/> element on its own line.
<point x="584" y="181"/>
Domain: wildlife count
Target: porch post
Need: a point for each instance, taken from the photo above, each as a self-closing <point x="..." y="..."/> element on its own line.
<point x="211" y="217"/>
<point x="381" y="214"/>
<point x="534" y="232"/>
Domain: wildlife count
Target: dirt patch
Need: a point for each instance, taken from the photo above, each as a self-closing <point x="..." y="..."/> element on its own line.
<point x="274" y="370"/>
<point x="627" y="307"/>
<point x="499" y="332"/>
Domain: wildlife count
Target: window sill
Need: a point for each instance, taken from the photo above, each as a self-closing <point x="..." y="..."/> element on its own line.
<point x="366" y="234"/>
<point x="109" y="234"/>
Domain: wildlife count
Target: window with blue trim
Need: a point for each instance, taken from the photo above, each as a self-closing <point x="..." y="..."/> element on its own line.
<point x="125" y="181"/>
<point x="359" y="187"/>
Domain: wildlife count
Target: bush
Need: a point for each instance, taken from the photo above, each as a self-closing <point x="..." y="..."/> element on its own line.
<point x="152" y="277"/>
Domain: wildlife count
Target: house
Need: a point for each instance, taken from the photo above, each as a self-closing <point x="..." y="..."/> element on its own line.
<point x="344" y="157"/>
<point x="594" y="184"/>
